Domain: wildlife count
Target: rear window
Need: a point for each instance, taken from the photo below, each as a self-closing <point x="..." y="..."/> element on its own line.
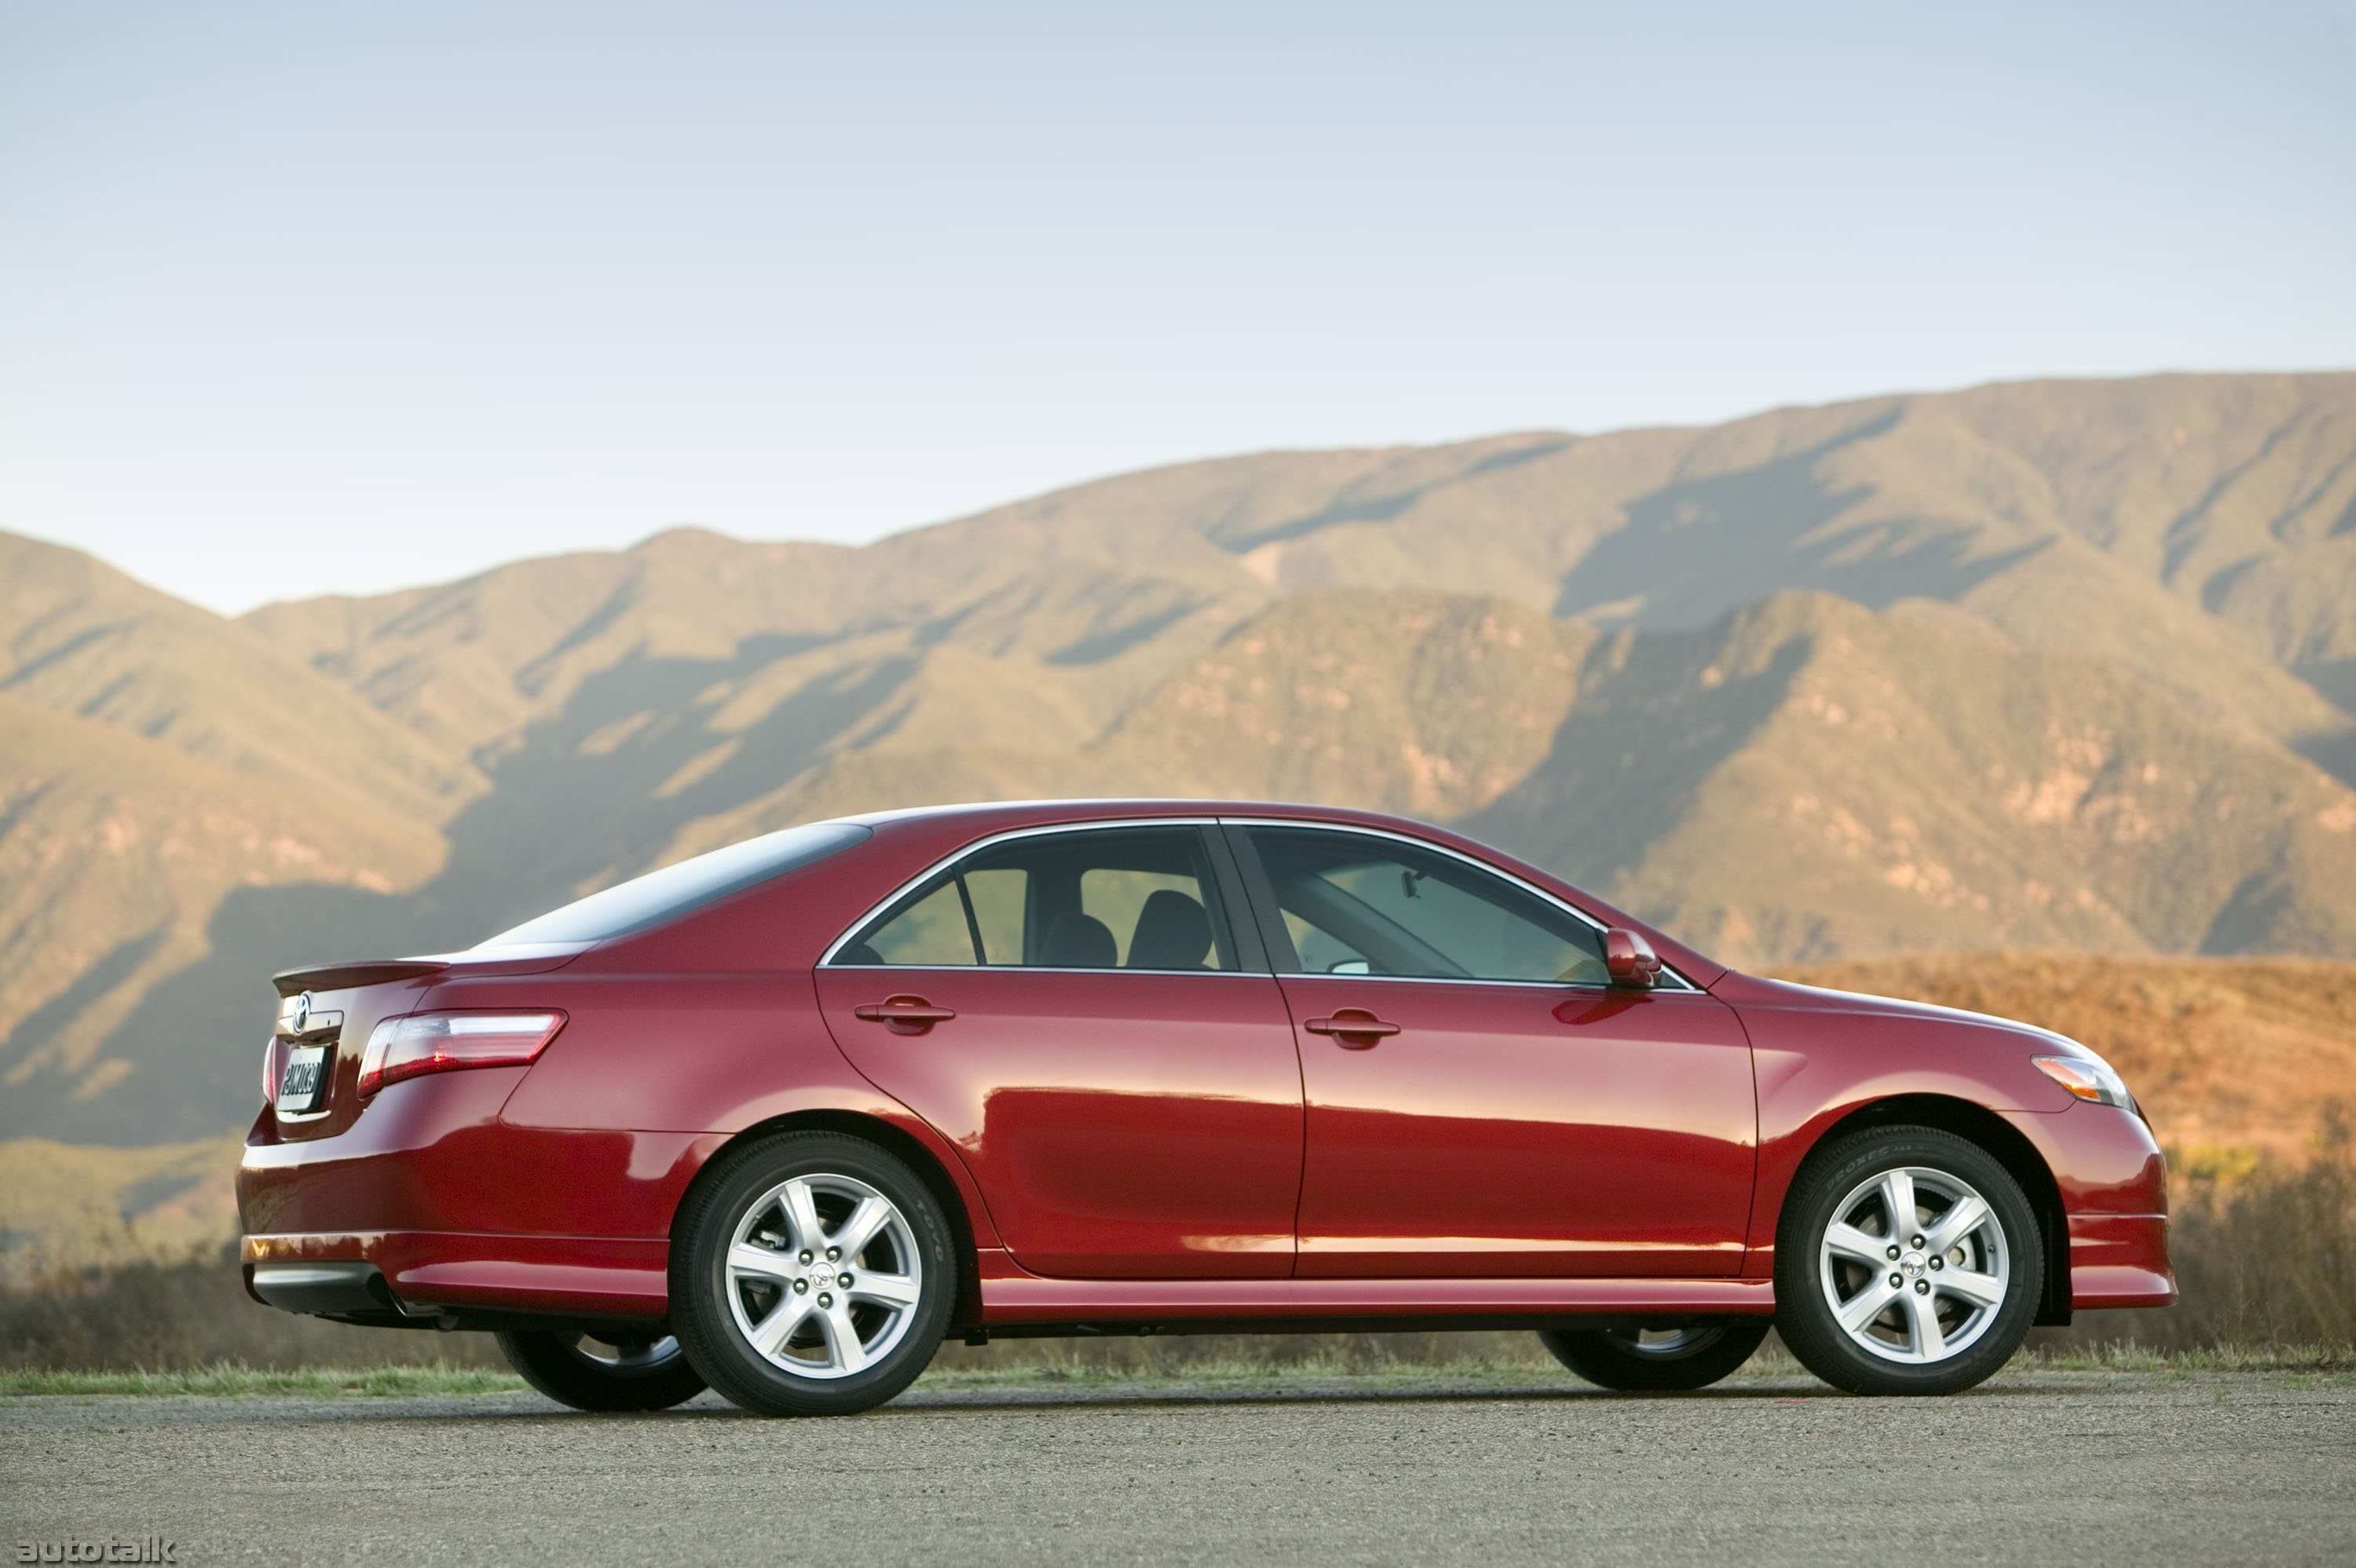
<point x="648" y="900"/>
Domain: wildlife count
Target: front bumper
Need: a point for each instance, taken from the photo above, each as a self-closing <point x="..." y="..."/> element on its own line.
<point x="2112" y="1183"/>
<point x="2119" y="1260"/>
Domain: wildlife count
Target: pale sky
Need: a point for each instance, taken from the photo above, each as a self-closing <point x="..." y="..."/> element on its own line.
<point x="303" y="298"/>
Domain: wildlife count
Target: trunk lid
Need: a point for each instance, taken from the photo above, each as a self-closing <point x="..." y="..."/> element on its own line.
<point x="335" y="1007"/>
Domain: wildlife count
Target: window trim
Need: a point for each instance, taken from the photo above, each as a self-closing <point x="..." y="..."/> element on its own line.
<point x="1258" y="886"/>
<point x="1202" y="827"/>
<point x="1254" y="880"/>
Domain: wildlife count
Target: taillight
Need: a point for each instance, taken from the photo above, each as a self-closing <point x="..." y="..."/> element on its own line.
<point x="442" y="1042"/>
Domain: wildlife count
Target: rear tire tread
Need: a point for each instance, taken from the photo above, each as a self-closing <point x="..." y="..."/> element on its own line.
<point x="1605" y="1362"/>
<point x="547" y="1362"/>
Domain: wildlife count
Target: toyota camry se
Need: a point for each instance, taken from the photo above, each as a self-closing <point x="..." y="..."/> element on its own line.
<point x="779" y="1119"/>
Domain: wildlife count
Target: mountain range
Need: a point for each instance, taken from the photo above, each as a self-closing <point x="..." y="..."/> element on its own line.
<point x="2057" y="665"/>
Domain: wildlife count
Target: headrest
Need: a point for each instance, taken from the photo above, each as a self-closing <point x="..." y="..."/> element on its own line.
<point x="1079" y="942"/>
<point x="1173" y="932"/>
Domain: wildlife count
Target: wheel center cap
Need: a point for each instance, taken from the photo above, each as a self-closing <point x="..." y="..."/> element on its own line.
<point x="1913" y="1264"/>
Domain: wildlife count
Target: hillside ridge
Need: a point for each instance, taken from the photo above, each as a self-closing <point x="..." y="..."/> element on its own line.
<point x="2062" y="664"/>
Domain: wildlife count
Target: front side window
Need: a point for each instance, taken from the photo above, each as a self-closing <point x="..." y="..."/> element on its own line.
<point x="1355" y="904"/>
<point x="1124" y="898"/>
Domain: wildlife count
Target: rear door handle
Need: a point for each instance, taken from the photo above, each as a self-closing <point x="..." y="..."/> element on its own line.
<point x="905" y="1015"/>
<point x="1353" y="1029"/>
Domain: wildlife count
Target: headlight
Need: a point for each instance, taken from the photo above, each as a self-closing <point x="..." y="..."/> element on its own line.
<point x="2088" y="1077"/>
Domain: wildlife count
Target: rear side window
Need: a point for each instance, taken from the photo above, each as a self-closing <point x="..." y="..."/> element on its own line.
<point x="1355" y="905"/>
<point x="1127" y="898"/>
<point x="648" y="900"/>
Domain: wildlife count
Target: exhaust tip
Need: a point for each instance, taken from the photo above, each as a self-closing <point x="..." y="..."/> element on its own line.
<point x="335" y="1289"/>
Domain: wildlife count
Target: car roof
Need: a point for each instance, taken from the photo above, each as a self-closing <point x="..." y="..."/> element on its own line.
<point x="1001" y="814"/>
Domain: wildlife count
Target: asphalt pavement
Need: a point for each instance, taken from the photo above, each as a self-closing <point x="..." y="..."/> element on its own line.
<point x="2044" y="1467"/>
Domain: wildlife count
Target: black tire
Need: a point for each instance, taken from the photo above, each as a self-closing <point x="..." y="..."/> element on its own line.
<point x="715" y="1314"/>
<point x="1694" y="1355"/>
<point x="632" y="1373"/>
<point x="1831" y="1181"/>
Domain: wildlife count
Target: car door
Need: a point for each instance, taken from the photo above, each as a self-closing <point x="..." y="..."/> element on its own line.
<point x="1077" y="1011"/>
<point x="1481" y="1102"/>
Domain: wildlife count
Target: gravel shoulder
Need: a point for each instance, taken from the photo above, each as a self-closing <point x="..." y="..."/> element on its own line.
<point x="2094" y="1467"/>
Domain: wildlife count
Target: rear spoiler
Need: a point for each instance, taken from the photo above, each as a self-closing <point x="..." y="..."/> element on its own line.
<point x="365" y="972"/>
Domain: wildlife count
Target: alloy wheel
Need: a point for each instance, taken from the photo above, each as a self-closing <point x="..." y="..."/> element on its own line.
<point x="823" y="1276"/>
<point x="624" y="1355"/>
<point x="1667" y="1344"/>
<point x="1914" y="1265"/>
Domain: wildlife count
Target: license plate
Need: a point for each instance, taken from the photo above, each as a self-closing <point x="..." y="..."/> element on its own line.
<point x="304" y="1081"/>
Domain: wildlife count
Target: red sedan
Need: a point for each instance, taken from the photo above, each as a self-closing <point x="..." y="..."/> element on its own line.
<point x="779" y="1119"/>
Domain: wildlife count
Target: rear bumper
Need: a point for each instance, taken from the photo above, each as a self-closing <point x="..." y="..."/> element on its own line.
<point x="429" y="1275"/>
<point x="431" y="1155"/>
<point x="458" y="1215"/>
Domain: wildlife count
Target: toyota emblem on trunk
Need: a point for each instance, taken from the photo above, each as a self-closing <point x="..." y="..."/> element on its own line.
<point x="301" y="1018"/>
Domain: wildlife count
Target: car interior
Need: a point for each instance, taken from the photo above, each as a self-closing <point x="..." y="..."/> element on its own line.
<point x="1123" y="899"/>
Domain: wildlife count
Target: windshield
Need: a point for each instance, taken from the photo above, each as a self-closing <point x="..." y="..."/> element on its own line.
<point x="674" y="891"/>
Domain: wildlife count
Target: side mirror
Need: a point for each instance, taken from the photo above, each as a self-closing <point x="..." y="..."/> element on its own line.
<point x="1631" y="959"/>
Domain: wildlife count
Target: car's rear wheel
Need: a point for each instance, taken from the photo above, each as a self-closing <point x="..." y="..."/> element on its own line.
<point x="1908" y="1261"/>
<point x="1668" y="1360"/>
<point x="812" y="1273"/>
<point x="616" y="1371"/>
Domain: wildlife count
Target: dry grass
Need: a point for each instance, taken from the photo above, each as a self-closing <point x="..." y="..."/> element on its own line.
<point x="232" y="1380"/>
<point x="173" y="1317"/>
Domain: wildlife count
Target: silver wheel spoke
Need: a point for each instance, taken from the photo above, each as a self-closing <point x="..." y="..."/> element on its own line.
<point x="844" y="1348"/>
<point x="860" y="1229"/>
<point x="1898" y="1194"/>
<point x="1957" y="1223"/>
<point x="1849" y="1242"/>
<point x="770" y="1335"/>
<point x="801" y="1207"/>
<point x="1922" y="1325"/>
<point x="1867" y="1304"/>
<point x="885" y="1289"/>
<point x="761" y="1263"/>
<point x="1979" y="1289"/>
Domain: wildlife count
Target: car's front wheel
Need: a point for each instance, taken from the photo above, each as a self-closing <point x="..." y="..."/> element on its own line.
<point x="812" y="1273"/>
<point x="1908" y="1261"/>
<point x="623" y="1371"/>
<point x="1668" y="1360"/>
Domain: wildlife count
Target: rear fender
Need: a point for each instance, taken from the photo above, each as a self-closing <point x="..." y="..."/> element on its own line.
<point x="935" y="1163"/>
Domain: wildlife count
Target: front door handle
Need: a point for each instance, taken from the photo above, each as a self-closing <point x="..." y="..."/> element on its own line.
<point x="1353" y="1029"/>
<point x="905" y="1015"/>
